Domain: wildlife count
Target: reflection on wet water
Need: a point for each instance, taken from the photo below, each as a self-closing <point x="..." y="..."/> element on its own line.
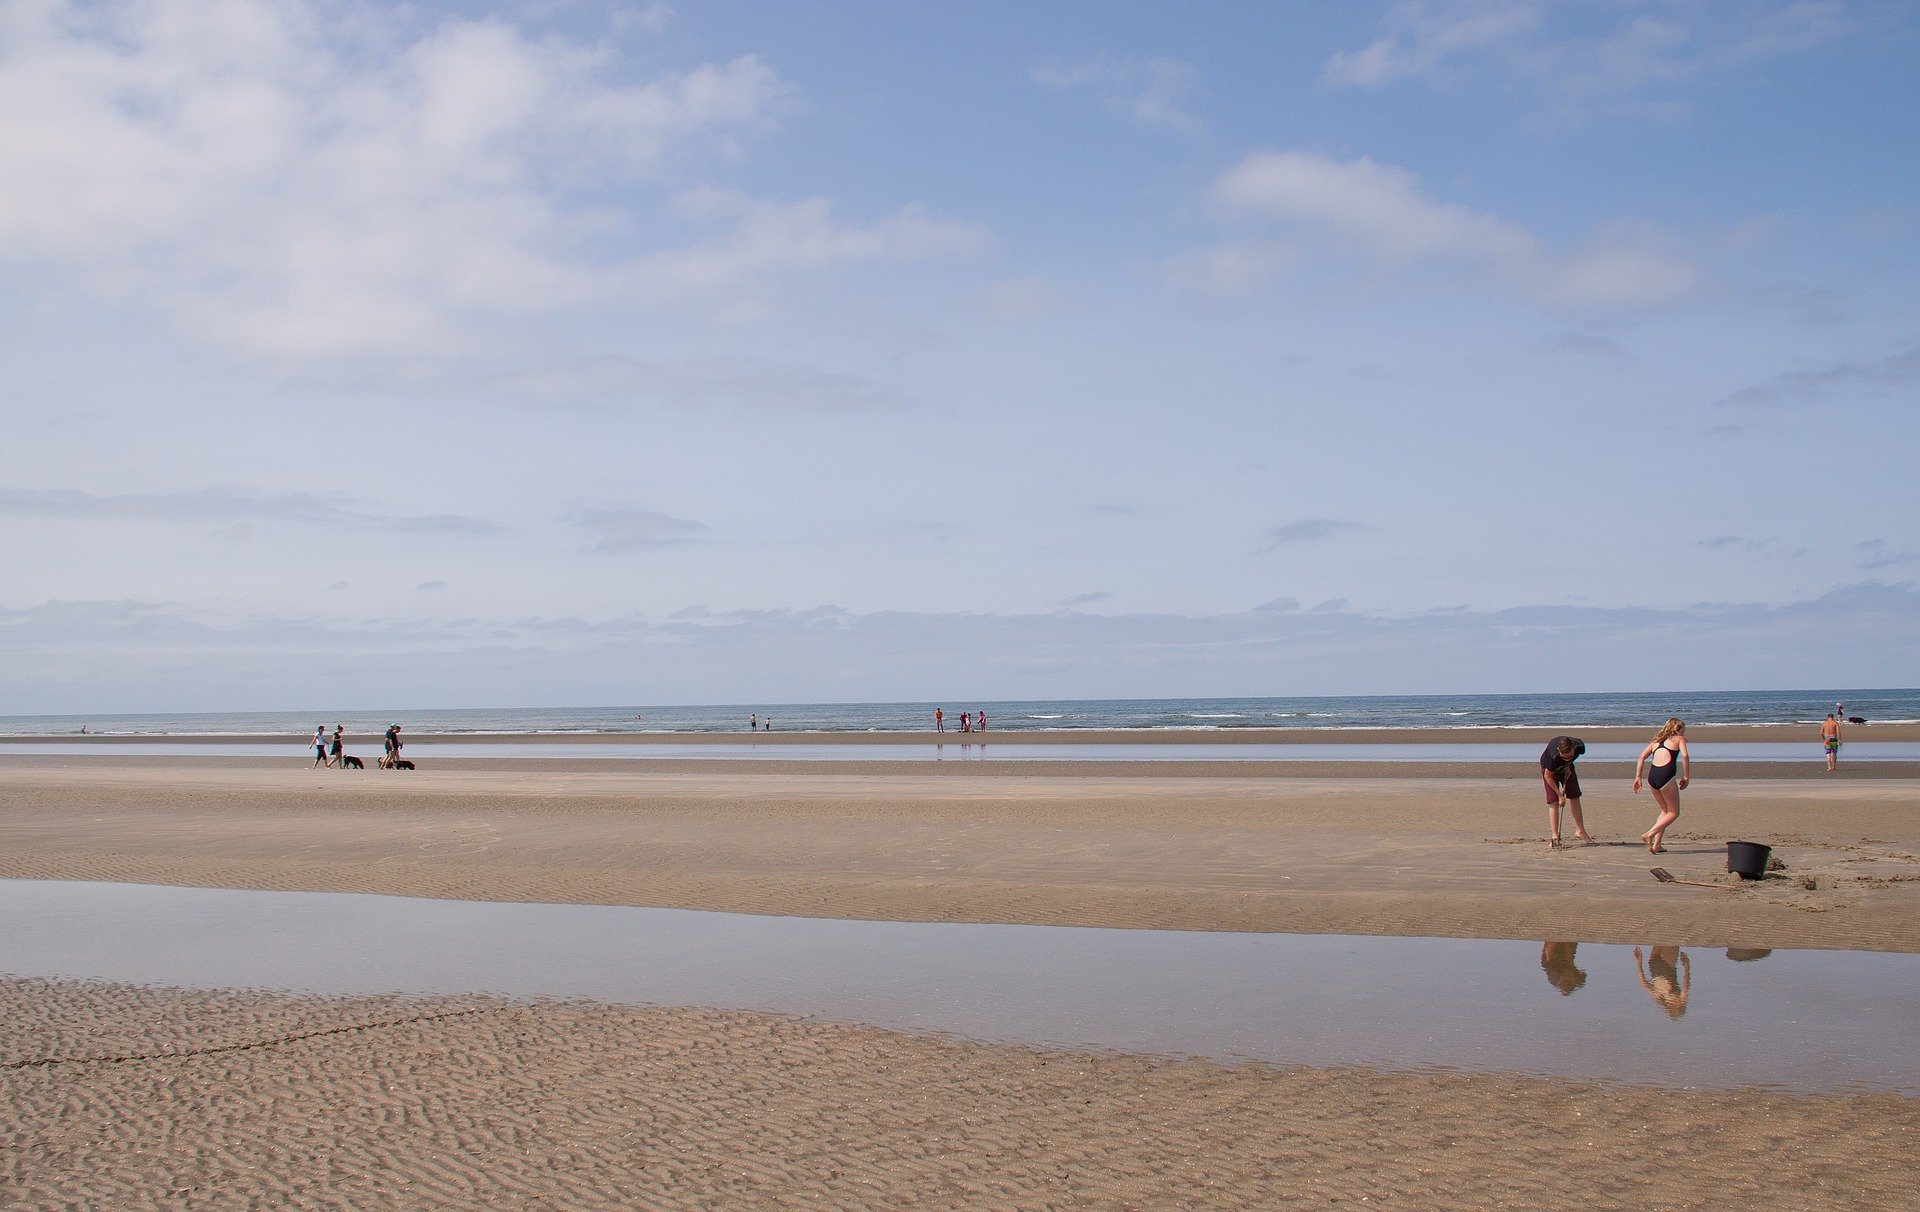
<point x="1667" y="976"/>
<point x="1804" y="1020"/>
<point x="1562" y="973"/>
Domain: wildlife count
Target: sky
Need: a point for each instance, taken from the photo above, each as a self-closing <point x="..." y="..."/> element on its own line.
<point x="569" y="352"/>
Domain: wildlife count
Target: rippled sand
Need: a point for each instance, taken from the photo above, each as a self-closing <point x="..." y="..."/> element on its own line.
<point x="119" y="1097"/>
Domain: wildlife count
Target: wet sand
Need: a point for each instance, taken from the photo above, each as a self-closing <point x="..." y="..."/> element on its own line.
<point x="1460" y="857"/>
<point x="111" y="1096"/>
<point x="130" y="1098"/>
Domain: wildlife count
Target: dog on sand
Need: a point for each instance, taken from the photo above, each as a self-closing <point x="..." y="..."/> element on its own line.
<point x="350" y="762"/>
<point x="402" y="764"/>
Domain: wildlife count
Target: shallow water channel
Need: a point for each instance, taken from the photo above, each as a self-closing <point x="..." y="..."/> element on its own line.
<point x="1796" y="1020"/>
<point x="956" y="751"/>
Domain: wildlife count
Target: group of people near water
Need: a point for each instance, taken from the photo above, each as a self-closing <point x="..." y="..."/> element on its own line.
<point x="1664" y="767"/>
<point x="970" y="721"/>
<point x="331" y="750"/>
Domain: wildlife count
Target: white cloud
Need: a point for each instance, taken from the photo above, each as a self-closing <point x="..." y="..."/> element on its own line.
<point x="238" y="506"/>
<point x="615" y="382"/>
<point x="1378" y="212"/>
<point x="1309" y="530"/>
<point x="284" y="183"/>
<point x="1422" y="36"/>
<point x="1636" y="56"/>
<point x="130" y="655"/>
<point x="1147" y="90"/>
<point x="625" y="530"/>
<point x="1234" y="268"/>
<point x="739" y="274"/>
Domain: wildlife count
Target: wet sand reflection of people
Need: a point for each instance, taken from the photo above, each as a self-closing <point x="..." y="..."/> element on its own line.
<point x="1667" y="976"/>
<point x="1556" y="960"/>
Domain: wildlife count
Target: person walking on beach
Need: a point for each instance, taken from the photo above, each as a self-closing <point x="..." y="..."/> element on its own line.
<point x="334" y="750"/>
<point x="1830" y="734"/>
<point x="1562" y="782"/>
<point x="320" y="745"/>
<point x="393" y="747"/>
<point x="939" y="720"/>
<point x="1664" y="758"/>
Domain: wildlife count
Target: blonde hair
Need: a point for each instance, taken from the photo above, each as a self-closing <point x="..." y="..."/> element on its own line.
<point x="1675" y="726"/>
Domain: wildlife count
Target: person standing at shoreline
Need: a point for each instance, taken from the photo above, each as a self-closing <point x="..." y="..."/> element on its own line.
<point x="1668" y="751"/>
<point x="939" y="720"/>
<point x="1562" y="783"/>
<point x="1830" y="735"/>
<point x="979" y="721"/>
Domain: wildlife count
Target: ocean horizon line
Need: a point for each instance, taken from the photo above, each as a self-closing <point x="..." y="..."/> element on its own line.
<point x="1146" y="715"/>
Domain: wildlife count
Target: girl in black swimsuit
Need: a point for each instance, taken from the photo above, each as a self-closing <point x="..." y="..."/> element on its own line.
<point x="1668" y="751"/>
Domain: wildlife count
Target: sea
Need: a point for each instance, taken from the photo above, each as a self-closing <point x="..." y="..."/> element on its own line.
<point x="1519" y="711"/>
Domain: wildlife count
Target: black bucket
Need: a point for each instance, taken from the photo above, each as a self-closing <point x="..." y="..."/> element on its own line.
<point x="1748" y="860"/>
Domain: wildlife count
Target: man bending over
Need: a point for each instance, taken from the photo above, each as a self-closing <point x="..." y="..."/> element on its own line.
<point x="1562" y="782"/>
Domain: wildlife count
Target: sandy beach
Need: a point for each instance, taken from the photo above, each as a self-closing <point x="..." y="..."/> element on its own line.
<point x="118" y="1096"/>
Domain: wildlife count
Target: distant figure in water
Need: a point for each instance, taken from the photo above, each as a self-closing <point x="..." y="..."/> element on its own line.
<point x="979" y="721"/>
<point x="966" y="721"/>
<point x="1668" y="751"/>
<point x="320" y="744"/>
<point x="1667" y="984"/>
<point x="753" y="722"/>
<point x="1830" y="734"/>
<point x="1556" y="959"/>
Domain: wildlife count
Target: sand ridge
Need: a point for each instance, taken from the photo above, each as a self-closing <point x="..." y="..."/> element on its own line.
<point x="1461" y="858"/>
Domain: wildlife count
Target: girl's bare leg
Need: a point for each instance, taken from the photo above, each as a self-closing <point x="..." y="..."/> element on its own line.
<point x="1669" y="800"/>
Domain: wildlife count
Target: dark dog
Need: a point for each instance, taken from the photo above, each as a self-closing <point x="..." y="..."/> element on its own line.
<point x="402" y="764"/>
<point x="350" y="762"/>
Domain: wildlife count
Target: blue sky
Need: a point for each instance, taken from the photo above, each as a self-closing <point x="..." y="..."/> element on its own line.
<point x="495" y="354"/>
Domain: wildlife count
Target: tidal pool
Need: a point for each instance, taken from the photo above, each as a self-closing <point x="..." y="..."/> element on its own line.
<point x="1794" y="1020"/>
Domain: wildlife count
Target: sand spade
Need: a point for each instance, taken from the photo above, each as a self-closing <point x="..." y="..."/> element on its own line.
<point x="1667" y="877"/>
